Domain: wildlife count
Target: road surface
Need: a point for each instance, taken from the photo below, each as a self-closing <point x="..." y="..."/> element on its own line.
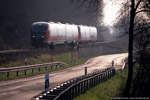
<point x="26" y="88"/>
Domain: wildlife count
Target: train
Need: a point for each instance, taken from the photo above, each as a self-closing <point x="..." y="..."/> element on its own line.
<point x="51" y="33"/>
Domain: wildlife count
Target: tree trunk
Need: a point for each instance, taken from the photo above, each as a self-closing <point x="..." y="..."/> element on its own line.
<point x="130" y="49"/>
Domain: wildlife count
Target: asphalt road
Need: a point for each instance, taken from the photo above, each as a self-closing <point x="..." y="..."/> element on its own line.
<point x="26" y="88"/>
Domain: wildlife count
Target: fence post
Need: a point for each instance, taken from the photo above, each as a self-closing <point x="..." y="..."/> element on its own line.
<point x="51" y="67"/>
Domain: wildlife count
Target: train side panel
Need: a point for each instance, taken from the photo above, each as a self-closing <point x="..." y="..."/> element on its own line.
<point x="93" y="33"/>
<point x="53" y="31"/>
<point x="85" y="33"/>
<point x="75" y="33"/>
<point x="61" y="33"/>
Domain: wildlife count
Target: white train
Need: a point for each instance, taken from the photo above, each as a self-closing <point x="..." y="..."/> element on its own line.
<point x="53" y="33"/>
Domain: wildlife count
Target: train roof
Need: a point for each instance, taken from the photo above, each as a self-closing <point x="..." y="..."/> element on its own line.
<point x="50" y="22"/>
<point x="40" y="23"/>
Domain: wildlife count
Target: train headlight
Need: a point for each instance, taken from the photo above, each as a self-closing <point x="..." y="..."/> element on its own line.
<point x="42" y="36"/>
<point x="33" y="36"/>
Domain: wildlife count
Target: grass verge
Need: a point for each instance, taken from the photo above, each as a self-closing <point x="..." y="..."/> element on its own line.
<point x="43" y="58"/>
<point x="107" y="90"/>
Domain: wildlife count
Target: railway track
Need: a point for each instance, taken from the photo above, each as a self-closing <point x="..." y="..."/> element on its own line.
<point x="10" y="55"/>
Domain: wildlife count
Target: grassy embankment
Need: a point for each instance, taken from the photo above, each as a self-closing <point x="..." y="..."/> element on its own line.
<point x="43" y="58"/>
<point x="107" y="90"/>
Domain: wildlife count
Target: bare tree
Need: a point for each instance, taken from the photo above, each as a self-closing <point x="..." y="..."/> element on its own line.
<point x="141" y="79"/>
<point x="137" y="8"/>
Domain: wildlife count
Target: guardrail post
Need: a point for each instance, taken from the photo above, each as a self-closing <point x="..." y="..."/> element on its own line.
<point x="75" y="90"/>
<point x="99" y="78"/>
<point x="56" y="66"/>
<point x="16" y="73"/>
<point x="66" y="96"/>
<point x="106" y="75"/>
<point x="69" y="94"/>
<point x="7" y="74"/>
<point x="39" y="69"/>
<point x="25" y="72"/>
<point x="110" y="74"/>
<point x="96" y="79"/>
<point x="113" y="72"/>
<point x="45" y="68"/>
<point x="87" y="85"/>
<point x="84" y="86"/>
<point x="79" y="89"/>
<point x="92" y="82"/>
<point x="32" y="70"/>
<point x="72" y="92"/>
<point x="103" y="77"/>
<point x="85" y="71"/>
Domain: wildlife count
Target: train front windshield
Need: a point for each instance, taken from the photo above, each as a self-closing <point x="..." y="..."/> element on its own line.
<point x="39" y="28"/>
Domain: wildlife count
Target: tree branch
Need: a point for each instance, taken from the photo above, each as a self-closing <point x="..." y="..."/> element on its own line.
<point x="142" y="11"/>
<point x="137" y="5"/>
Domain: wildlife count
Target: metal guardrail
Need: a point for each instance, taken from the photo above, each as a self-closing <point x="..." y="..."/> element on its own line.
<point x="24" y="68"/>
<point x="74" y="87"/>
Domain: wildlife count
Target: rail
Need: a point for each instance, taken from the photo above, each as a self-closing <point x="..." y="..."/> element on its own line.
<point x="30" y="67"/>
<point x="74" y="87"/>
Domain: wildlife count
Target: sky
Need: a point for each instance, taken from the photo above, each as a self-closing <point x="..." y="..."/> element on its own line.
<point x="110" y="11"/>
